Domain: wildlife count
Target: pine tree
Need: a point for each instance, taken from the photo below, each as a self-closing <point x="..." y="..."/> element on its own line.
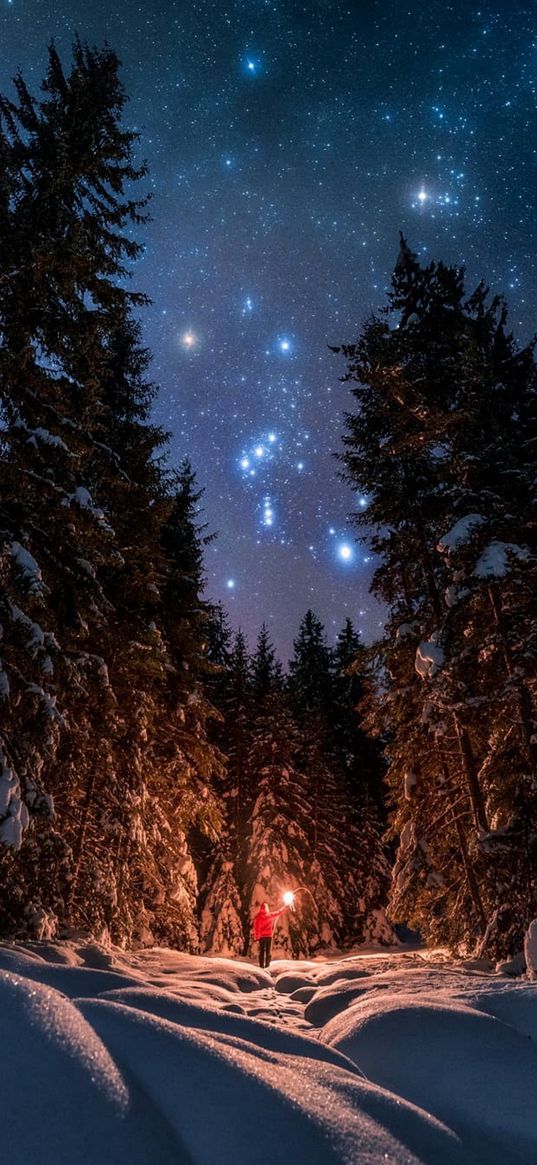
<point x="276" y="850"/>
<point x="439" y="443"/>
<point x="357" y="753"/>
<point x="68" y="163"/>
<point x="267" y="672"/>
<point x="100" y="561"/>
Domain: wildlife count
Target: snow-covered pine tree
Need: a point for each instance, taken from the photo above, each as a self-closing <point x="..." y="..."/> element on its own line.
<point x="361" y="770"/>
<point x="84" y="503"/>
<point x="221" y="926"/>
<point x="276" y="850"/>
<point x="359" y="755"/>
<point x="439" y="443"/>
<point x="56" y="535"/>
<point x="187" y="763"/>
<point x="229" y="687"/>
<point x="348" y="871"/>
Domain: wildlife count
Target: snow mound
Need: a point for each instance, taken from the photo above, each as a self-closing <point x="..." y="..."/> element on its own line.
<point x="472" y="1071"/>
<point x="212" y="1019"/>
<point x="229" y="1104"/>
<point x="63" y="1098"/>
<point x="331" y="1000"/>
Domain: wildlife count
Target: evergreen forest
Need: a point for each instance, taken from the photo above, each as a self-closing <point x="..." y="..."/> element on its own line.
<point x="159" y="776"/>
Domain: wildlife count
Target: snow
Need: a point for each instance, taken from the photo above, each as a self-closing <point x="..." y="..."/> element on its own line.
<point x="29" y="568"/>
<point x="411" y="781"/>
<point x="380" y="1056"/>
<point x="83" y="499"/>
<point x="429" y="660"/>
<point x="51" y="439"/>
<point x="495" y="559"/>
<point x="13" y="812"/>
<point x="460" y="533"/>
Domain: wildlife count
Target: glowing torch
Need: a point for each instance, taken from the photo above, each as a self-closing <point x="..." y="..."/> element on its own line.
<point x="289" y="896"/>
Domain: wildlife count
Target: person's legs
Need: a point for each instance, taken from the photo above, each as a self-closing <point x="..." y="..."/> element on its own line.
<point x="264" y="952"/>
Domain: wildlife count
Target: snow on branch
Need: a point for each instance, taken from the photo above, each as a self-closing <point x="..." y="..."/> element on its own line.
<point x="430" y="658"/>
<point x="13" y="813"/>
<point x="495" y="561"/>
<point x="460" y="533"/>
<point x="29" y="568"/>
<point x="83" y="499"/>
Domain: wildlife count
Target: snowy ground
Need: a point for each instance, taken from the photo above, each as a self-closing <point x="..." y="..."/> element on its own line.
<point x="159" y="1057"/>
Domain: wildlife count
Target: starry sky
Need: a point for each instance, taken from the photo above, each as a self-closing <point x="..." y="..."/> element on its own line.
<point x="288" y="142"/>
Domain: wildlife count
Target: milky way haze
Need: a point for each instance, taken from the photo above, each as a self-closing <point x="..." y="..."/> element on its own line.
<point x="288" y="144"/>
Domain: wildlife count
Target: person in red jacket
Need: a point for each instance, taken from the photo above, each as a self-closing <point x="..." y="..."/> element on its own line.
<point x="263" y="928"/>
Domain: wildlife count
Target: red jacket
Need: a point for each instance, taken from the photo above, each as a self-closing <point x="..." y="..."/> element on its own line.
<point x="264" y="922"/>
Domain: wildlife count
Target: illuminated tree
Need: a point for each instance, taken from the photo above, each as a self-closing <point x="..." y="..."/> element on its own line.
<point x="440" y="442"/>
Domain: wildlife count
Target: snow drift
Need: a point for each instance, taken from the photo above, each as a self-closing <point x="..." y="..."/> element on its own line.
<point x="165" y="1057"/>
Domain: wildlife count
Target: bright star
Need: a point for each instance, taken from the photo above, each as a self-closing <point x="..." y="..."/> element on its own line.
<point x="285" y="345"/>
<point x="245" y="463"/>
<point x="188" y="340"/>
<point x="259" y="451"/>
<point x="272" y="438"/>
<point x="422" y="196"/>
<point x="230" y="583"/>
<point x="345" y="552"/>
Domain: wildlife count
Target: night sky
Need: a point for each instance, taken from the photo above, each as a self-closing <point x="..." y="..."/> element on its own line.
<point x="288" y="143"/>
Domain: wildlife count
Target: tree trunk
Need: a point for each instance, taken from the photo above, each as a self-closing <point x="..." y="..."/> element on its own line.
<point x="473" y="885"/>
<point x="477" y="800"/>
<point x="520" y="690"/>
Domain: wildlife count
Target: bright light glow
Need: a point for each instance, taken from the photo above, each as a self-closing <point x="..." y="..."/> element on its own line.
<point x="245" y="464"/>
<point x="422" y="196"/>
<point x="272" y="438"/>
<point x="285" y="345"/>
<point x="362" y="502"/>
<point x="300" y="465"/>
<point x="188" y="340"/>
<point x="345" y="552"/>
<point x="230" y="583"/>
<point x="259" y="450"/>
<point x="288" y="898"/>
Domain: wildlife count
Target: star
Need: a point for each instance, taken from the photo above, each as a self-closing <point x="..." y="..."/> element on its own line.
<point x="188" y="340"/>
<point x="345" y="552"/>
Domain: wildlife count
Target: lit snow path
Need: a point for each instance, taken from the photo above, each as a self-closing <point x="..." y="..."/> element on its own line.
<point x="164" y="1057"/>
